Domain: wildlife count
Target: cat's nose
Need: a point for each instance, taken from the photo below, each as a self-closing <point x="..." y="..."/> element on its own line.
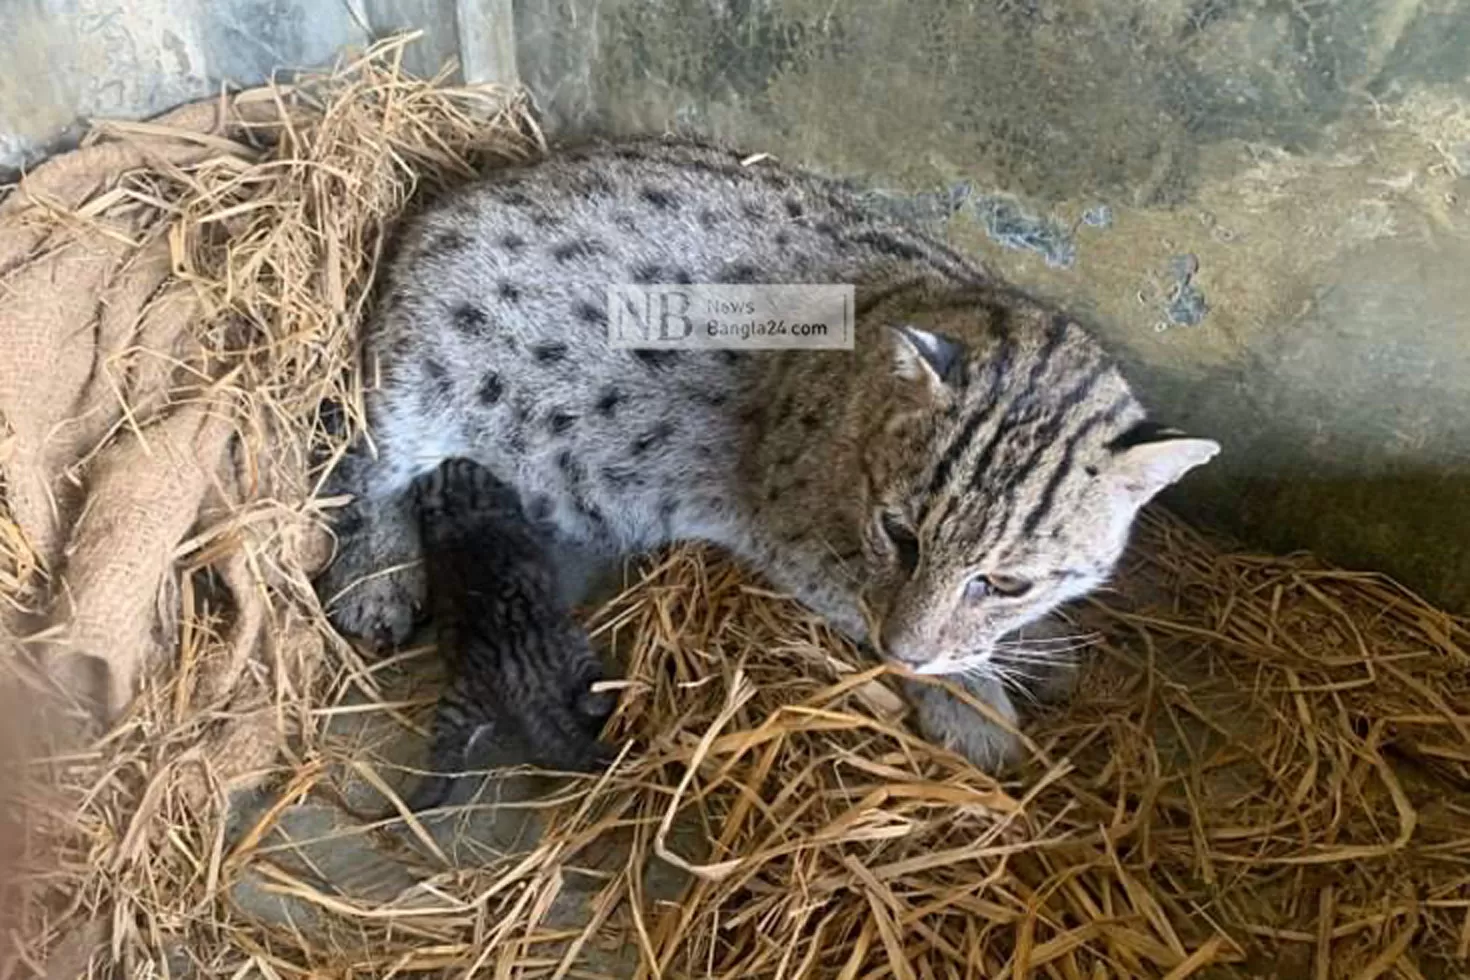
<point x="899" y="647"/>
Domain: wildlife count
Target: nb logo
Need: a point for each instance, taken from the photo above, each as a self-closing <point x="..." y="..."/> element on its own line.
<point x="650" y="315"/>
<point x="715" y="316"/>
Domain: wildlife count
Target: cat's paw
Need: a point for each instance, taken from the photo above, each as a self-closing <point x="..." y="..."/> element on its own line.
<point x="380" y="608"/>
<point x="594" y="708"/>
<point x="949" y="722"/>
<point x="374" y="589"/>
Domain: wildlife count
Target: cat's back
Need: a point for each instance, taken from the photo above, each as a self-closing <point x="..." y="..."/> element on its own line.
<point x="540" y="243"/>
<point x="655" y="210"/>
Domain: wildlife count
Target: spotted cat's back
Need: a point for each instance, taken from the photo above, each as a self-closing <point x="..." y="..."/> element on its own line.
<point x="492" y="326"/>
<point x="525" y="256"/>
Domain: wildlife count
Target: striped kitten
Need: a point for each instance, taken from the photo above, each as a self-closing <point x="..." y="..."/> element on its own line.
<point x="518" y="664"/>
<point x="974" y="461"/>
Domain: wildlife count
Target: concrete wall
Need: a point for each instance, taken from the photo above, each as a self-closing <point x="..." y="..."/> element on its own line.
<point x="1260" y="204"/>
<point x="65" y="61"/>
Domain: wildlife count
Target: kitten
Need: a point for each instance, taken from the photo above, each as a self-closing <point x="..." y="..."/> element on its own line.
<point x="518" y="663"/>
<point x="973" y="463"/>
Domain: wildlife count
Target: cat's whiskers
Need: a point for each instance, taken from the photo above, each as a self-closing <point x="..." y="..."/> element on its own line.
<point x="842" y="563"/>
<point x="1034" y="653"/>
<point x="1044" y="648"/>
<point x="1092" y="637"/>
<point x="1009" y="676"/>
<point x="1013" y="671"/>
<point x="1020" y="684"/>
<point x="1036" y="656"/>
<point x="871" y="622"/>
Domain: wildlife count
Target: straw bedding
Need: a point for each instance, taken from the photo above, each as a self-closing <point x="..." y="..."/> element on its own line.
<point x="1263" y="773"/>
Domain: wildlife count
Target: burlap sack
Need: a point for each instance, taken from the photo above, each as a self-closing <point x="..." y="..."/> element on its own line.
<point x="120" y="457"/>
<point x="178" y="300"/>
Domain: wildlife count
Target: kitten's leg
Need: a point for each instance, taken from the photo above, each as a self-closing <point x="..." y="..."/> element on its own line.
<point x="457" y="727"/>
<point x="374" y="588"/>
<point x="560" y="716"/>
<point x="946" y="720"/>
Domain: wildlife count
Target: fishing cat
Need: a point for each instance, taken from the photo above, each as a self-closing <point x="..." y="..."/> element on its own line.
<point x="519" y="665"/>
<point x="975" y="461"/>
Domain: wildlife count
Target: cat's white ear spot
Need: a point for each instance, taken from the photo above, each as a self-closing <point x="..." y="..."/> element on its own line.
<point x="1149" y="467"/>
<point x="919" y="355"/>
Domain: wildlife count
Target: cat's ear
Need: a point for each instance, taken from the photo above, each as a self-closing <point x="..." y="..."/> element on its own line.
<point x="930" y="358"/>
<point x="1146" y="464"/>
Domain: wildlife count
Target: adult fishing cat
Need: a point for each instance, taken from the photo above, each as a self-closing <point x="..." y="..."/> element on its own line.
<point x="974" y="462"/>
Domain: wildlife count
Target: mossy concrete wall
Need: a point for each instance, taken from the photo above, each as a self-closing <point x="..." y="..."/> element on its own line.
<point x="1263" y="207"/>
<point x="64" y="62"/>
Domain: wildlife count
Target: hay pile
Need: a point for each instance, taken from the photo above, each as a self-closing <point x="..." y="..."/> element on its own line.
<point x="1263" y="775"/>
<point x="179" y="306"/>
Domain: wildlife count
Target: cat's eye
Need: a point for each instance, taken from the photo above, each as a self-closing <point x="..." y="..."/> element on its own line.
<point x="993" y="585"/>
<point x="903" y="540"/>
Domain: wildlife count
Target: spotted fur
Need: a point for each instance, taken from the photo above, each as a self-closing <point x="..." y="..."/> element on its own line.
<point x="975" y="461"/>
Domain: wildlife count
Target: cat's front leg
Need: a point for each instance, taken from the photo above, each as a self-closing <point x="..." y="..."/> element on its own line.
<point x="949" y="722"/>
<point x="941" y="717"/>
<point x="374" y="586"/>
<point x="1048" y="669"/>
<point x="828" y="586"/>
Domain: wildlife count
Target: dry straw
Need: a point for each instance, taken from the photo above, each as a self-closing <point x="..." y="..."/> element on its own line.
<point x="1264" y="773"/>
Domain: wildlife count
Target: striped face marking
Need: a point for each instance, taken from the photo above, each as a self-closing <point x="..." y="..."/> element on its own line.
<point x="1012" y="494"/>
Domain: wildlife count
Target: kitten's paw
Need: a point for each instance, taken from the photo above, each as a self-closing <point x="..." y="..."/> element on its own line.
<point x="947" y="721"/>
<point x="593" y="711"/>
<point x="582" y="749"/>
<point x="579" y="753"/>
<point x="594" y="708"/>
<point x="563" y="732"/>
<point x="374" y="588"/>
